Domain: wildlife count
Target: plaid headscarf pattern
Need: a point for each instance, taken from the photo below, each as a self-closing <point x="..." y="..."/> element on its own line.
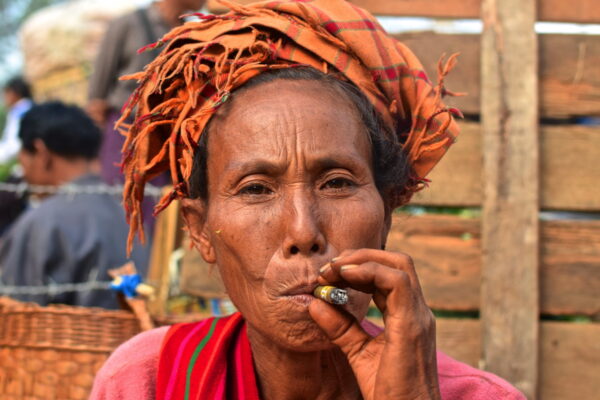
<point x="202" y="62"/>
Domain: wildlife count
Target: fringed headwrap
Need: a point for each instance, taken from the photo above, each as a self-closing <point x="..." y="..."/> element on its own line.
<point x="203" y="62"/>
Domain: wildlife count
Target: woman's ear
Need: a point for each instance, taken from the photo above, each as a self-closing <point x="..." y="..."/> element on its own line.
<point x="194" y="212"/>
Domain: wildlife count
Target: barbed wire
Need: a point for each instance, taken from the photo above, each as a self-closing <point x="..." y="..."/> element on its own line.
<point x="54" y="289"/>
<point x="72" y="189"/>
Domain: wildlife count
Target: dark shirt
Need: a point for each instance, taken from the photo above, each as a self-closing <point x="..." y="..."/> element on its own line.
<point x="118" y="56"/>
<point x="69" y="238"/>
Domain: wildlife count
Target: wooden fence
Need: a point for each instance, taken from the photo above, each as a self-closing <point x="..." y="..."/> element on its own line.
<point x="509" y="267"/>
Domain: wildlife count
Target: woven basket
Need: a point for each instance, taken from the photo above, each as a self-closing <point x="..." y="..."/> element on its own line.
<point x="54" y="352"/>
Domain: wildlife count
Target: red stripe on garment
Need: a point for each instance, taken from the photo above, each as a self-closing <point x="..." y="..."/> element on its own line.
<point x="215" y="356"/>
<point x="223" y="369"/>
<point x="175" y="356"/>
<point x="248" y="377"/>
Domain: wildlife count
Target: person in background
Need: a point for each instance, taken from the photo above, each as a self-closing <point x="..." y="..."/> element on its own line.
<point x="70" y="237"/>
<point x="17" y="98"/>
<point x="118" y="56"/>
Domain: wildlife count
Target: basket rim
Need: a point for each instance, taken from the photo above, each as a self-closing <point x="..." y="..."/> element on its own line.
<point x="50" y="346"/>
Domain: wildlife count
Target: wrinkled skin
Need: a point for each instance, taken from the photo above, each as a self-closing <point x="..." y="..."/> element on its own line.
<point x="290" y="186"/>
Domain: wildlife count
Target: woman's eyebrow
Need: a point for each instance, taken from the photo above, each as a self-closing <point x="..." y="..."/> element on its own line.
<point x="315" y="165"/>
<point x="341" y="161"/>
<point x="261" y="167"/>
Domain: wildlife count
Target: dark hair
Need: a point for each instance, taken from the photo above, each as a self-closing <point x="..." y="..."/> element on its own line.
<point x="391" y="168"/>
<point x="65" y="130"/>
<point x="19" y="86"/>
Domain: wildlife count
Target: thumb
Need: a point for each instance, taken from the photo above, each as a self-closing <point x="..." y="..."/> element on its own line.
<point x="340" y="327"/>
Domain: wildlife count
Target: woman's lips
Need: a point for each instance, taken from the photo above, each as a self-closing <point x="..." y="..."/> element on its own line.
<point x="303" y="299"/>
<point x="300" y="294"/>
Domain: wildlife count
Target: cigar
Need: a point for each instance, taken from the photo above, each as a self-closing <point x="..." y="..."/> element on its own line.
<point x="331" y="294"/>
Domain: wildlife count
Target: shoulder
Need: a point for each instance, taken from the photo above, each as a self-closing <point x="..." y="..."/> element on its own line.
<point x="47" y="218"/>
<point x="82" y="207"/>
<point x="130" y="371"/>
<point x="30" y="222"/>
<point x="461" y="381"/>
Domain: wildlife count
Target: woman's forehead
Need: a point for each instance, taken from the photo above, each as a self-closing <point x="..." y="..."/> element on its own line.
<point x="283" y="121"/>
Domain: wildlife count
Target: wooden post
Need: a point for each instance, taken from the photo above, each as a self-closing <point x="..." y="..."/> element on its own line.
<point x="510" y="289"/>
<point x="167" y="238"/>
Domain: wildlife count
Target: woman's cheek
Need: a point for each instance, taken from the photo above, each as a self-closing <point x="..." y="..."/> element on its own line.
<point x="357" y="223"/>
<point x="244" y="242"/>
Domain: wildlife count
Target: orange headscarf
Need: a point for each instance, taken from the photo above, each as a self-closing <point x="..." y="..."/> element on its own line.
<point x="203" y="62"/>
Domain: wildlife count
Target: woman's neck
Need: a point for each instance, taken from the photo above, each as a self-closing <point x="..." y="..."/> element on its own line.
<point x="284" y="374"/>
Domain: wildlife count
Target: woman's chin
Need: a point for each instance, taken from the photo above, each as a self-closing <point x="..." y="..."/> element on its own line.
<point x="309" y="340"/>
<point x="293" y="328"/>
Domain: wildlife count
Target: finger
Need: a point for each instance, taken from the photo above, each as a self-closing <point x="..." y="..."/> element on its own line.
<point x="368" y="277"/>
<point x="340" y="327"/>
<point x="391" y="288"/>
<point x="326" y="271"/>
<point x="394" y="260"/>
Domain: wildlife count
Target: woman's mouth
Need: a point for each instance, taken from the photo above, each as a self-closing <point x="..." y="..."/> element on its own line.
<point x="301" y="294"/>
<point x="303" y="299"/>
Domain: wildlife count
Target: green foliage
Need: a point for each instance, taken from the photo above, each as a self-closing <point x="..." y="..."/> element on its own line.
<point x="463" y="212"/>
<point x="581" y="319"/>
<point x="456" y="314"/>
<point x="2" y="119"/>
<point x="6" y="169"/>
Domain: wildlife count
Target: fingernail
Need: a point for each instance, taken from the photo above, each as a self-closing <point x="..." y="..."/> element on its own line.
<point x="349" y="266"/>
<point x="324" y="268"/>
<point x="334" y="259"/>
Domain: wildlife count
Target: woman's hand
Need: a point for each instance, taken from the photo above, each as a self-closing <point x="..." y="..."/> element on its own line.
<point x="400" y="363"/>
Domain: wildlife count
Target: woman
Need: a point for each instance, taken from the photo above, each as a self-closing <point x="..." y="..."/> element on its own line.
<point x="291" y="131"/>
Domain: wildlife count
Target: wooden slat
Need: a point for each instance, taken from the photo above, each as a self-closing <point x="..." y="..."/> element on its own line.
<point x="167" y="238"/>
<point x="569" y="166"/>
<point x="456" y="181"/>
<point x="447" y="255"/>
<point x="570" y="271"/>
<point x="460" y="339"/>
<point x="423" y="8"/>
<point x="570" y="361"/>
<point x="447" y="262"/>
<point x="569" y="79"/>
<point x="582" y="11"/>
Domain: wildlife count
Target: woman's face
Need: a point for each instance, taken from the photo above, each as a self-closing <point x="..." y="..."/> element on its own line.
<point x="290" y="186"/>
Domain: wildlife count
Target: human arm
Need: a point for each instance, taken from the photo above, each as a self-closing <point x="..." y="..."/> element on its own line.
<point x="106" y="68"/>
<point x="400" y="362"/>
<point x="9" y="144"/>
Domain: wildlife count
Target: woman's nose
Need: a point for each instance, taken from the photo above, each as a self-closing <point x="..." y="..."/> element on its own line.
<point x="304" y="235"/>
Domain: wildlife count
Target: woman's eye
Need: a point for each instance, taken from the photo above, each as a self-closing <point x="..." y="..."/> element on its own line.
<point x="255" y="189"/>
<point x="338" y="183"/>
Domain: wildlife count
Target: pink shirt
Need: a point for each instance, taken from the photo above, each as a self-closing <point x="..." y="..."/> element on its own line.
<point x="130" y="373"/>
